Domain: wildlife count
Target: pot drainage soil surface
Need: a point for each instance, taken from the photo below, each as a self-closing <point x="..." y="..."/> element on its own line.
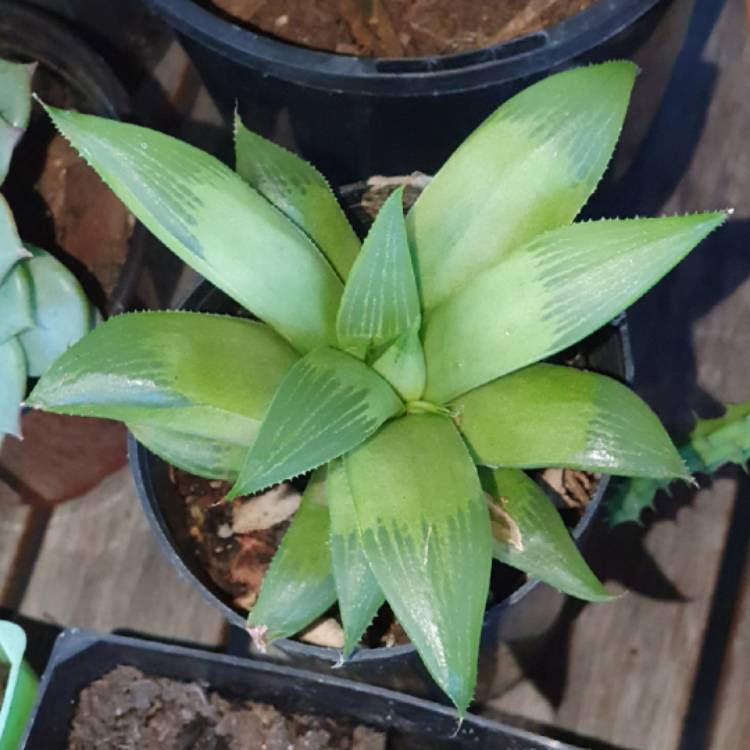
<point x="128" y="710"/>
<point x="237" y="541"/>
<point x="399" y="28"/>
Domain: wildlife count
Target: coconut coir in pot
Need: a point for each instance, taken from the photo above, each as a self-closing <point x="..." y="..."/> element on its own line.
<point x="399" y="28"/>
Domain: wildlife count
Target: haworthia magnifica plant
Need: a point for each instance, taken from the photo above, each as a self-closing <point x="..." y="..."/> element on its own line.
<point x="43" y="309"/>
<point x="412" y="368"/>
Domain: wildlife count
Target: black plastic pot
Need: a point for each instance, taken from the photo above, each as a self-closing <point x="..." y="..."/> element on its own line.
<point x="521" y="622"/>
<point x="28" y="33"/>
<point x="354" y="117"/>
<point x="31" y="34"/>
<point x="80" y="657"/>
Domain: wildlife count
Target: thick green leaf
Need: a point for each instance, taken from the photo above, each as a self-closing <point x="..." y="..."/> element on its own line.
<point x="327" y="403"/>
<point x="19" y="688"/>
<point x="718" y="441"/>
<point x="298" y="585"/>
<point x="529" y="168"/>
<point x="61" y="311"/>
<point x="402" y="365"/>
<point x="12" y="386"/>
<point x="380" y="299"/>
<point x="541" y="546"/>
<point x="712" y="444"/>
<point x="550" y="415"/>
<point x="627" y="498"/>
<point x="425" y="530"/>
<point x="15" y="107"/>
<point x="297" y="189"/>
<point x="11" y="247"/>
<point x="15" y="302"/>
<point x="203" y="440"/>
<point x="360" y="597"/>
<point x="549" y="294"/>
<point x="135" y="366"/>
<point x="215" y="222"/>
<point x="15" y="93"/>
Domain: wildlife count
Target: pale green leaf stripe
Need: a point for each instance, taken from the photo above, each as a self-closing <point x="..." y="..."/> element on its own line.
<point x="15" y="302"/>
<point x="550" y="294"/>
<point x="327" y="403"/>
<point x="215" y="222"/>
<point x="12" y="386"/>
<point x="402" y="365"/>
<point x="135" y="365"/>
<point x="360" y="597"/>
<point x="548" y="551"/>
<point x="425" y="530"/>
<point x="529" y="168"/>
<point x="203" y="440"/>
<point x="62" y="313"/>
<point x="298" y="585"/>
<point x="15" y="107"/>
<point x="550" y="415"/>
<point x="297" y="189"/>
<point x="380" y="299"/>
<point x="11" y="247"/>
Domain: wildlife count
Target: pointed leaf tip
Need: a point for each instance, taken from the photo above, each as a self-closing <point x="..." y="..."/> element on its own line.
<point x="299" y="191"/>
<point x="425" y="531"/>
<point x="327" y="403"/>
<point x="12" y="387"/>
<point x="360" y="597"/>
<point x="208" y="216"/>
<point x="298" y="586"/>
<point x="380" y="300"/>
<point x="517" y="420"/>
<point x="528" y="168"/>
<point x="193" y="387"/>
<point x="549" y="294"/>
<point x="547" y="551"/>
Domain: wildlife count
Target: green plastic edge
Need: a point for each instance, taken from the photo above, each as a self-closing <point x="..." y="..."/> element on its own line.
<point x="20" y="688"/>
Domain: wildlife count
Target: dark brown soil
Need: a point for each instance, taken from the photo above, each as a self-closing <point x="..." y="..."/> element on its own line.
<point x="127" y="710"/>
<point x="399" y="28"/>
<point x="235" y="562"/>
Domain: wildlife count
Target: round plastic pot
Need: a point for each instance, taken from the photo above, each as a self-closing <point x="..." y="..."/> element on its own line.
<point x="79" y="658"/>
<point x="31" y="34"/>
<point x="20" y="687"/>
<point x="521" y="621"/>
<point x="355" y="116"/>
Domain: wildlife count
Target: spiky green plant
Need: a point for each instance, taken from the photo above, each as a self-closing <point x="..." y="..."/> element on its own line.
<point x="713" y="443"/>
<point x="405" y="373"/>
<point x="43" y="309"/>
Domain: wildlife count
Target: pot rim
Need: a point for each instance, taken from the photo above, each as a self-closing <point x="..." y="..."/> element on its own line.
<point x="61" y="50"/>
<point x="138" y="456"/>
<point x="398" y="710"/>
<point x="405" y="77"/>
